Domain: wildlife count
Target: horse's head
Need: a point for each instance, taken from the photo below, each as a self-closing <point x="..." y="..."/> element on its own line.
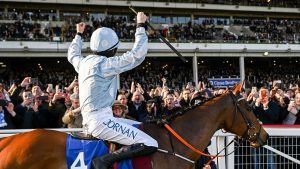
<point x="244" y="123"/>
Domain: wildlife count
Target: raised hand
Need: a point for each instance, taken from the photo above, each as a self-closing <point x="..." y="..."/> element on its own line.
<point x="80" y="27"/>
<point x="141" y="17"/>
<point x="25" y="82"/>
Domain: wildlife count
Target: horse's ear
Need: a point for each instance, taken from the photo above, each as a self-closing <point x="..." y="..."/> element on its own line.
<point x="237" y="88"/>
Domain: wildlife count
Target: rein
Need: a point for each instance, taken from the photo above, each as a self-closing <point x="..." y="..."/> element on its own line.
<point x="183" y="141"/>
<point x="248" y="132"/>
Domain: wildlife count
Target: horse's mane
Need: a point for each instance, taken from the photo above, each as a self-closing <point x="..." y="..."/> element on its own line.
<point x="200" y="104"/>
<point x="183" y="111"/>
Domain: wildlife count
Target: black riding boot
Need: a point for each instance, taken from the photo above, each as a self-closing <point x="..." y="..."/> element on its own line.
<point x="126" y="152"/>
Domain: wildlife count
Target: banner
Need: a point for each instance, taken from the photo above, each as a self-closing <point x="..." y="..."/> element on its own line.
<point x="223" y="82"/>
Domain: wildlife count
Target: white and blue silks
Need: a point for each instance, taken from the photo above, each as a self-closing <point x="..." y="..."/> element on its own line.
<point x="98" y="89"/>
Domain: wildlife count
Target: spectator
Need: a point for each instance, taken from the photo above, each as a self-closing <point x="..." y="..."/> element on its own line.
<point x="123" y="100"/>
<point x="277" y="95"/>
<point x="28" y="110"/>
<point x="152" y="111"/>
<point x="119" y="109"/>
<point x="137" y="107"/>
<point x="73" y="117"/>
<point x="265" y="109"/>
<point x="58" y="108"/>
<point x="185" y="99"/>
<point x="293" y="116"/>
<point x="169" y="106"/>
<point x="8" y="117"/>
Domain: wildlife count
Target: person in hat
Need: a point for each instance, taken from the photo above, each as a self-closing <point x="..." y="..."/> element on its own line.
<point x="119" y="109"/>
<point x="98" y="88"/>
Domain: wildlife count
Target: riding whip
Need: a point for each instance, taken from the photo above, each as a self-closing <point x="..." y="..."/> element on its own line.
<point x="162" y="38"/>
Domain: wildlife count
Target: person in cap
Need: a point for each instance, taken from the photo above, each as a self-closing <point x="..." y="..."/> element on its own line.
<point x="98" y="88"/>
<point x="119" y="109"/>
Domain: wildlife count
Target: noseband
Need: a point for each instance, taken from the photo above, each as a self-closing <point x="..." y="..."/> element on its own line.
<point x="250" y="134"/>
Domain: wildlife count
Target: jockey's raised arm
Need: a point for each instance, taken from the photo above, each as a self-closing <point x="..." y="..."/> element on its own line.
<point x="98" y="88"/>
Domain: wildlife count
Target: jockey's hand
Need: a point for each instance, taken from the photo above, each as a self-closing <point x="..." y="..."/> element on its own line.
<point x="141" y="17"/>
<point x="80" y="27"/>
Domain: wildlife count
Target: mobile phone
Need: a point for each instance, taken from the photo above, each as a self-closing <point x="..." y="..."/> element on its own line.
<point x="43" y="98"/>
<point x="263" y="93"/>
<point x="34" y="80"/>
<point x="171" y="91"/>
<point x="254" y="89"/>
<point x="50" y="86"/>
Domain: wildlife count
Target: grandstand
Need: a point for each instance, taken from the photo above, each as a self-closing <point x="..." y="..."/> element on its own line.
<point x="207" y="29"/>
<point x="255" y="40"/>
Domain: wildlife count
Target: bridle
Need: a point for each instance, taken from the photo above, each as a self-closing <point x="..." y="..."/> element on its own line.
<point x="250" y="134"/>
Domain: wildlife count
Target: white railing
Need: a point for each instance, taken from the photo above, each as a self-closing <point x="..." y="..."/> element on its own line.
<point x="281" y="152"/>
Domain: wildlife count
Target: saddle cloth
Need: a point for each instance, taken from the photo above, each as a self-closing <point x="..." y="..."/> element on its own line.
<point x="80" y="152"/>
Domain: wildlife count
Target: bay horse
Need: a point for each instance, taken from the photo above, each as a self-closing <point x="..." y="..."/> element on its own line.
<point x="45" y="149"/>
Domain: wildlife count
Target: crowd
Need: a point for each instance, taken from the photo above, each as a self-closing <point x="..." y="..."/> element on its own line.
<point x="205" y="29"/>
<point x="32" y="104"/>
<point x="271" y="3"/>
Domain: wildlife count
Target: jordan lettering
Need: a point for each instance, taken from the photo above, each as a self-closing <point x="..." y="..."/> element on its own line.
<point x="121" y="129"/>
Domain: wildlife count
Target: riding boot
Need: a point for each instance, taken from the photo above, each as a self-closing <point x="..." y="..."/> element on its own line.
<point x="126" y="152"/>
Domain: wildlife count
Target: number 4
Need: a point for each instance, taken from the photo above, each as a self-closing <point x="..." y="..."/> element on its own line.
<point x="79" y="159"/>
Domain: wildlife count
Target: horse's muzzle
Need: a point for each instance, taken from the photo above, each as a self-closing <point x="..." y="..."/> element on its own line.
<point x="260" y="141"/>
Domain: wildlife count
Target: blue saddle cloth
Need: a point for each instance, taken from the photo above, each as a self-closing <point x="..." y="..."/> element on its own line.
<point x="80" y="153"/>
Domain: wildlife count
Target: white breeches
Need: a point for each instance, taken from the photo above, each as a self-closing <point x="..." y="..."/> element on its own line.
<point x="101" y="124"/>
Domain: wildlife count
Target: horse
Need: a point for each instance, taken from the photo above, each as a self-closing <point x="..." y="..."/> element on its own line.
<point x="46" y="148"/>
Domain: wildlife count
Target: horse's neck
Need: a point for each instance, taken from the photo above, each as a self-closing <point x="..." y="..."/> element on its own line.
<point x="199" y="125"/>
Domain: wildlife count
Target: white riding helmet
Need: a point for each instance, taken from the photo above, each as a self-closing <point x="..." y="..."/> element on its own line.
<point x="104" y="39"/>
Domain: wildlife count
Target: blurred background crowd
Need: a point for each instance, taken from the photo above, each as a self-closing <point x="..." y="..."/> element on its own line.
<point x="35" y="25"/>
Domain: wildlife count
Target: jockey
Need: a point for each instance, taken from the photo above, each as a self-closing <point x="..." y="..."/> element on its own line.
<point x="98" y="88"/>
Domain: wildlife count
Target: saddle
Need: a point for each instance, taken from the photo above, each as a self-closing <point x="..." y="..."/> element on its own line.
<point x="83" y="136"/>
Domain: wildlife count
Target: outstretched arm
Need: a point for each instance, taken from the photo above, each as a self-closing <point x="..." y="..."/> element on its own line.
<point x="74" y="52"/>
<point x="131" y="59"/>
